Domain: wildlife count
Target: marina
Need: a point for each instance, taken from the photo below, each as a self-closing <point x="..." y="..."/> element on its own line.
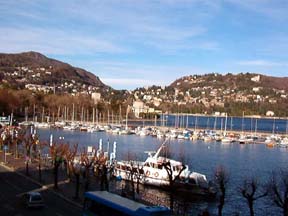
<point x="241" y="161"/>
<point x="243" y="130"/>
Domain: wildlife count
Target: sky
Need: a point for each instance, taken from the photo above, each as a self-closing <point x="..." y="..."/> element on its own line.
<point x="136" y="43"/>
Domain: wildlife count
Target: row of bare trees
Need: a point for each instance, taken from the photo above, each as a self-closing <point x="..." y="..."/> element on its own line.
<point x="252" y="190"/>
<point x="77" y="162"/>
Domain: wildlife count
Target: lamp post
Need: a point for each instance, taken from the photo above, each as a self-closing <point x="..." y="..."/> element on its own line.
<point x="5" y="150"/>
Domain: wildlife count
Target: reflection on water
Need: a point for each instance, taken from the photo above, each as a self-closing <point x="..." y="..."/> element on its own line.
<point x="242" y="161"/>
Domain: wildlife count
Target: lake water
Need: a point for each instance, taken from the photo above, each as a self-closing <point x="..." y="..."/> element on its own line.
<point x="242" y="161"/>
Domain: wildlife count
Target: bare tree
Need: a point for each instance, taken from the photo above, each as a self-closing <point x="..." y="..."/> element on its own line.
<point x="76" y="169"/>
<point x="104" y="184"/>
<point x="135" y="173"/>
<point x="28" y="142"/>
<point x="132" y="175"/>
<point x="139" y="175"/>
<point x="57" y="152"/>
<point x="252" y="192"/>
<point x="69" y="157"/>
<point x="18" y="140"/>
<point x="40" y="146"/>
<point x="34" y="145"/>
<point x="278" y="189"/>
<point x="101" y="170"/>
<point x="172" y="176"/>
<point x="87" y="161"/>
<point x="221" y="181"/>
<point x="172" y="179"/>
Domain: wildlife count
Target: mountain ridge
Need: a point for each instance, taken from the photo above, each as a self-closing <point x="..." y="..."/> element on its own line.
<point x="64" y="72"/>
<point x="60" y="71"/>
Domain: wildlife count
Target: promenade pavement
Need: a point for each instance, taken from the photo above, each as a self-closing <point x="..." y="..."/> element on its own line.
<point x="66" y="188"/>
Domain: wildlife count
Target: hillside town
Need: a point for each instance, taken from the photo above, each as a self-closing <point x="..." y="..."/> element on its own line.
<point x="207" y="94"/>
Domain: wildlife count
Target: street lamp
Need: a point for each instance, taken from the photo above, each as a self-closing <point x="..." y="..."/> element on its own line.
<point x="5" y="150"/>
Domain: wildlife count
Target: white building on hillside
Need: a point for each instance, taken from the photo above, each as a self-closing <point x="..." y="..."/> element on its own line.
<point x="96" y="97"/>
<point x="139" y="107"/>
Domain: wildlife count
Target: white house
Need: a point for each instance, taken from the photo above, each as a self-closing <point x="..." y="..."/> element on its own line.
<point x="256" y="78"/>
<point x="96" y="97"/>
<point x="139" y="107"/>
<point x="270" y="113"/>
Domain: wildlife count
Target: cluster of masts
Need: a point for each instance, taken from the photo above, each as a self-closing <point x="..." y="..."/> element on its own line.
<point x="221" y="136"/>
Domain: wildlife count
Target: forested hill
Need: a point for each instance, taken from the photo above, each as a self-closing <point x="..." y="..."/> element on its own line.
<point x="232" y="93"/>
<point x="242" y="81"/>
<point x="35" y="68"/>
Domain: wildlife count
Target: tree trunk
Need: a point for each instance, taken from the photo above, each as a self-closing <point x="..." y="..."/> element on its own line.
<point x="27" y="168"/>
<point x="103" y="179"/>
<point x="221" y="205"/>
<point x="16" y="151"/>
<point x="56" y="176"/>
<point x="68" y="172"/>
<point x="171" y="200"/>
<point x="251" y="208"/>
<point x="39" y="172"/>
<point x="77" y="186"/>
<point x="138" y="185"/>
<point x="87" y="182"/>
<point x="285" y="208"/>
<point x="133" y="187"/>
<point x="171" y="185"/>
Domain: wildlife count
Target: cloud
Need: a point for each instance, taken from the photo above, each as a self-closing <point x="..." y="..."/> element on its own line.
<point x="129" y="83"/>
<point x="262" y="63"/>
<point x="54" y="41"/>
<point x="270" y="8"/>
<point x="126" y="75"/>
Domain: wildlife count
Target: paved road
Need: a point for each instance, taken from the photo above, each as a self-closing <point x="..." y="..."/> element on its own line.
<point x="12" y="185"/>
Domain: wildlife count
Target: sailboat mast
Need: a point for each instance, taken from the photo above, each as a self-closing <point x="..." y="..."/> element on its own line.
<point x="287" y="126"/>
<point x="93" y="116"/>
<point x="225" y="124"/>
<point x="126" y="125"/>
<point x="256" y="127"/>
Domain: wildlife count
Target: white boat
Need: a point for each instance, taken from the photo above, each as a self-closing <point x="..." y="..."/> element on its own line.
<point x="284" y="143"/>
<point x="226" y="140"/>
<point x="152" y="172"/>
<point x="41" y="124"/>
<point x="245" y="139"/>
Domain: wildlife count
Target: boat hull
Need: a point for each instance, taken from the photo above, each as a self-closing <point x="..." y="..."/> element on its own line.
<point x="179" y="186"/>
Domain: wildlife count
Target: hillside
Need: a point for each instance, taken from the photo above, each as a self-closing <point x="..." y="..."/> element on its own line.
<point x="238" y="81"/>
<point x="35" y="68"/>
<point x="254" y="94"/>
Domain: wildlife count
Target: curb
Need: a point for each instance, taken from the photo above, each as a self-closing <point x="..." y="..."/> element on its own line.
<point x="42" y="186"/>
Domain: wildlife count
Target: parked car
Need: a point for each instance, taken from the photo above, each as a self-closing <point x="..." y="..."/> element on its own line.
<point x="34" y="200"/>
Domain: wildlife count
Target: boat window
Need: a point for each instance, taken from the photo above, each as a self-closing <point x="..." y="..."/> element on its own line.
<point x="179" y="168"/>
<point x="147" y="164"/>
<point x="141" y="171"/>
<point x="156" y="166"/>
